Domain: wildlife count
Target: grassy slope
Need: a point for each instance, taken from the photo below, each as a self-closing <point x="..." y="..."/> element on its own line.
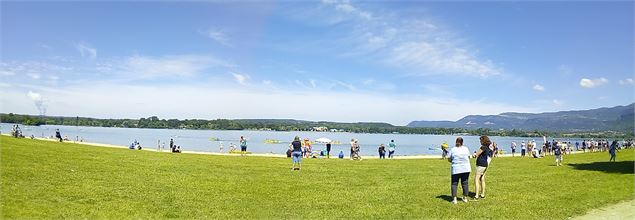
<point x="43" y="179"/>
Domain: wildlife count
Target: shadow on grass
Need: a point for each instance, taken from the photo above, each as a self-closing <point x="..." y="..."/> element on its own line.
<point x="625" y="167"/>
<point x="449" y="198"/>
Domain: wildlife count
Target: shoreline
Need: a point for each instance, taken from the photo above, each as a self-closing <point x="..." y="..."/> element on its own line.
<point x="270" y="155"/>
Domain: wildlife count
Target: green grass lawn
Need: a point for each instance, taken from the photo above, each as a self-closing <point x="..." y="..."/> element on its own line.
<point x="42" y="179"/>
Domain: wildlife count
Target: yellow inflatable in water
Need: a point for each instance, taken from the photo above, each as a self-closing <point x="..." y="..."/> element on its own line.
<point x="272" y="141"/>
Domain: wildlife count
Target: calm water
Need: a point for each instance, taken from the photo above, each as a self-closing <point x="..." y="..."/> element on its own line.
<point x="199" y="140"/>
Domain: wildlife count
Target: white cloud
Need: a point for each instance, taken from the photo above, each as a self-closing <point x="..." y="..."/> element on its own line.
<point x="592" y="83"/>
<point x="368" y="82"/>
<point x="539" y="88"/>
<point x="241" y="78"/>
<point x="628" y="81"/>
<point x="86" y="50"/>
<point x="556" y="102"/>
<point x="218" y="36"/>
<point x="267" y="82"/>
<point x="419" y="46"/>
<point x="346" y="7"/>
<point x="38" y="101"/>
<point x="180" y="65"/>
<point x="349" y="86"/>
<point x="34" y="76"/>
<point x="312" y="82"/>
<point x="6" y="73"/>
<point x="104" y="100"/>
<point x="444" y="58"/>
<point x="44" y="46"/>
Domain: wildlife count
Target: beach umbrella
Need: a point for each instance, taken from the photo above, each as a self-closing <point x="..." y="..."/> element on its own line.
<point x="323" y="140"/>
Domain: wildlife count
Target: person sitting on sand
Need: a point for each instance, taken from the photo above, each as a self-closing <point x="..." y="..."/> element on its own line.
<point x="341" y="155"/>
<point x="138" y="146"/>
<point x="177" y="149"/>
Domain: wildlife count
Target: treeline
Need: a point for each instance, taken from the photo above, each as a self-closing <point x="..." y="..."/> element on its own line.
<point x="283" y="125"/>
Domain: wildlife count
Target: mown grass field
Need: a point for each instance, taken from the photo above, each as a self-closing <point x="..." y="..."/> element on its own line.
<point x="41" y="179"/>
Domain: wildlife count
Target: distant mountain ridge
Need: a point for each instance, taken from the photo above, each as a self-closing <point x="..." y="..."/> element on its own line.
<point x="618" y="118"/>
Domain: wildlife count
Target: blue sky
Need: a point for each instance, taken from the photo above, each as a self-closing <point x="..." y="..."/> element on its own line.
<point x="327" y="60"/>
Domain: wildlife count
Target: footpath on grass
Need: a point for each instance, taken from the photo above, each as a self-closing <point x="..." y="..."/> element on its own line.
<point x="623" y="210"/>
<point x="251" y="155"/>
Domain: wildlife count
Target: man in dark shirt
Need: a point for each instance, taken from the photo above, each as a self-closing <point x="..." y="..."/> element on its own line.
<point x="297" y="153"/>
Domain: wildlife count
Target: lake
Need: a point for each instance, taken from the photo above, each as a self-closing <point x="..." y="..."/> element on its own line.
<point x="204" y="140"/>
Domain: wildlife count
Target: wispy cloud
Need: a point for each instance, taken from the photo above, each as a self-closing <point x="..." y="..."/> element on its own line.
<point x="628" y="81"/>
<point x="180" y="65"/>
<point x="348" y="86"/>
<point x="346" y="7"/>
<point x="418" y="45"/>
<point x="6" y="73"/>
<point x="218" y="36"/>
<point x="556" y="102"/>
<point x="592" y="83"/>
<point x="45" y="46"/>
<point x="241" y="78"/>
<point x="35" y="76"/>
<point x="539" y="88"/>
<point x="86" y="50"/>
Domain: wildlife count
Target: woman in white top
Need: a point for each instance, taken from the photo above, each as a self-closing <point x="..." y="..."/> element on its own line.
<point x="459" y="156"/>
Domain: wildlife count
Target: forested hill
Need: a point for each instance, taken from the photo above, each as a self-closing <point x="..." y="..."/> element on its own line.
<point x="618" y="118"/>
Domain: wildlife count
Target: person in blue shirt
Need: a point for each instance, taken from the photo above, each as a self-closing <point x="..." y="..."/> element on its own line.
<point x="391" y="149"/>
<point x="341" y="155"/>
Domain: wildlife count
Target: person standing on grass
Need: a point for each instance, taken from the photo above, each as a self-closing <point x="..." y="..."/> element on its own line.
<point x="296" y="154"/>
<point x="459" y="156"/>
<point x="328" y="150"/>
<point x="307" y="146"/>
<point x="523" y="149"/>
<point x="172" y="144"/>
<point x="352" y="147"/>
<point x="513" y="148"/>
<point x="612" y="150"/>
<point x="483" y="158"/>
<point x="557" y="151"/>
<point x="391" y="149"/>
<point x="243" y="146"/>
<point x="444" y="149"/>
<point x="58" y="135"/>
<point x="382" y="151"/>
